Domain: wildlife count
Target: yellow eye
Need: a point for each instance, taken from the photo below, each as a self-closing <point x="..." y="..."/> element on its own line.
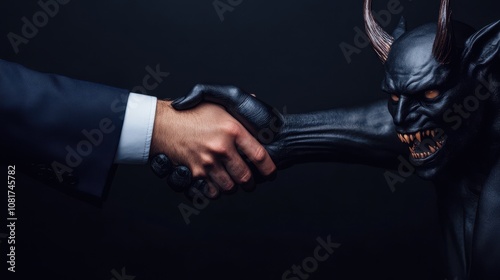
<point x="431" y="94"/>
<point x="394" y="98"/>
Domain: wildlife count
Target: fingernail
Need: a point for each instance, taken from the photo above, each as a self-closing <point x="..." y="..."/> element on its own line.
<point x="212" y="192"/>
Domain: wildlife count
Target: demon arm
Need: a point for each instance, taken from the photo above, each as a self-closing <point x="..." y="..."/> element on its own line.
<point x="363" y="135"/>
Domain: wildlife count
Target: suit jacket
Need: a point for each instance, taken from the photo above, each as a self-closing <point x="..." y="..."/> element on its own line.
<point x="62" y="131"/>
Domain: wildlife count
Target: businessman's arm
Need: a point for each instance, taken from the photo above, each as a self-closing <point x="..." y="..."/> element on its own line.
<point x="66" y="130"/>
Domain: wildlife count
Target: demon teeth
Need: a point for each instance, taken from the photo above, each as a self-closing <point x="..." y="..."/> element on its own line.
<point x="415" y="140"/>
<point x="418" y="136"/>
<point x="401" y="138"/>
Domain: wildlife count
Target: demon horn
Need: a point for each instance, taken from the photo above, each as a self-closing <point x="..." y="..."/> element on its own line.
<point x="381" y="40"/>
<point x="443" y="43"/>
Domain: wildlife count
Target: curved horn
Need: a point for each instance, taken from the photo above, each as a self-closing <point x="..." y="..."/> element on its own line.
<point x="443" y="43"/>
<point x="381" y="40"/>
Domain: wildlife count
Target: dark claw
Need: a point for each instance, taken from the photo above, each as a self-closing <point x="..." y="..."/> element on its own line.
<point x="161" y="165"/>
<point x="180" y="179"/>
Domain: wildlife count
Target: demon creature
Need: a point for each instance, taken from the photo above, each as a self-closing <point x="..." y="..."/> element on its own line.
<point x="443" y="86"/>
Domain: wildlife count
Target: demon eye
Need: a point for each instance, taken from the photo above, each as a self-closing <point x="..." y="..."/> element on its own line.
<point x="394" y="98"/>
<point x="431" y="94"/>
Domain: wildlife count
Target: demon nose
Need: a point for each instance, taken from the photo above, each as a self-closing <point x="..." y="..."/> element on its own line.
<point x="402" y="111"/>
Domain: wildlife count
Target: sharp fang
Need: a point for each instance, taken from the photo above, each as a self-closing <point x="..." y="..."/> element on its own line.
<point x="439" y="145"/>
<point x="407" y="139"/>
<point x="418" y="136"/>
<point x="428" y="132"/>
<point x="432" y="149"/>
<point x="411" y="137"/>
<point x="433" y="133"/>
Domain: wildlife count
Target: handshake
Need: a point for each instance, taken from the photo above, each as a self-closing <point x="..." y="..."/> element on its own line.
<point x="211" y="141"/>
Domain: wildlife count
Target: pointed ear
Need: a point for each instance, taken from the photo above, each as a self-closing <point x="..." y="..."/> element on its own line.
<point x="400" y="29"/>
<point x="482" y="49"/>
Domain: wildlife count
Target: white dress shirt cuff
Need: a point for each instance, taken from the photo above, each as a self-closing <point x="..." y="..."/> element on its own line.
<point x="135" y="139"/>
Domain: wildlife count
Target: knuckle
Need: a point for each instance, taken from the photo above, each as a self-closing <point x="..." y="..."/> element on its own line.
<point x="207" y="161"/>
<point x="233" y="91"/>
<point x="198" y="172"/>
<point x="220" y="149"/>
<point x="232" y="128"/>
<point x="260" y="154"/>
<point x="198" y="87"/>
<point x="245" y="178"/>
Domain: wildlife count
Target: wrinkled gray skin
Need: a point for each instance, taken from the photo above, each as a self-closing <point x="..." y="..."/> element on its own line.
<point x="465" y="170"/>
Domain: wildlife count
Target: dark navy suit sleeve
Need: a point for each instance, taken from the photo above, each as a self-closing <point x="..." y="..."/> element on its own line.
<point x="63" y="131"/>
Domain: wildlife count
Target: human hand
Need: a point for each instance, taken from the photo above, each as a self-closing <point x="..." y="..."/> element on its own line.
<point x="206" y="140"/>
<point x="264" y="122"/>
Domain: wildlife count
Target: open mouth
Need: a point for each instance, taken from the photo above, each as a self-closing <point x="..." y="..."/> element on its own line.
<point x="424" y="144"/>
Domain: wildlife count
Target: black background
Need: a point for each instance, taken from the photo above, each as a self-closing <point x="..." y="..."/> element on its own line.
<point x="285" y="51"/>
